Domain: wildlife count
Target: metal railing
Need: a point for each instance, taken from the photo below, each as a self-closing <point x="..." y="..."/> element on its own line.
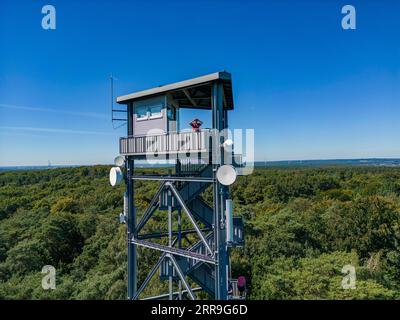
<point x="172" y="142"/>
<point x="234" y="293"/>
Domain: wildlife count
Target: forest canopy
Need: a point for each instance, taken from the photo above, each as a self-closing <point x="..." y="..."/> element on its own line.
<point x="302" y="226"/>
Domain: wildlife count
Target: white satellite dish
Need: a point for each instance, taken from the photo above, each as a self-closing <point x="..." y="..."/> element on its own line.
<point x="116" y="176"/>
<point x="119" y="161"/>
<point x="226" y="175"/>
<point x="227" y="143"/>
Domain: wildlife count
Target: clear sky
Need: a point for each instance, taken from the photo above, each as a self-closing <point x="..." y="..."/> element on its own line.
<point x="310" y="89"/>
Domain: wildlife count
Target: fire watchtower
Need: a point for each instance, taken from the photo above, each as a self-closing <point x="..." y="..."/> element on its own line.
<point x="191" y="258"/>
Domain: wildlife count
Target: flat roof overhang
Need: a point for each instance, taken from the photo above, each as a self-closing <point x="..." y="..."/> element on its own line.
<point x="193" y="93"/>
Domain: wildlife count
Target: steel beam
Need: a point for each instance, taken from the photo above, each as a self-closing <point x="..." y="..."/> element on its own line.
<point x="158" y="235"/>
<point x="221" y="254"/>
<point x="187" y="94"/>
<point x="170" y="267"/>
<point x="131" y="219"/>
<point x="171" y="178"/>
<point x="175" y="251"/>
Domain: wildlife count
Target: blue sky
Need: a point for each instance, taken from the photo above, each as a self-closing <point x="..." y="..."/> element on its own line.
<point x="310" y="89"/>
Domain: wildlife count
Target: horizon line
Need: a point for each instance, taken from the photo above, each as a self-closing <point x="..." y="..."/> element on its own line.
<point x="256" y="161"/>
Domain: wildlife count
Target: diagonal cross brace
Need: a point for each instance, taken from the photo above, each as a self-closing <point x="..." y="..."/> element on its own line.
<point x="150" y="210"/>
<point x="189" y="214"/>
<point x="152" y="272"/>
<point x="150" y="275"/>
<point x="182" y="276"/>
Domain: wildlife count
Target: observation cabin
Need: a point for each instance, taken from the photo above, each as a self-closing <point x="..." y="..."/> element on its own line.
<point x="193" y="250"/>
<point x="154" y="126"/>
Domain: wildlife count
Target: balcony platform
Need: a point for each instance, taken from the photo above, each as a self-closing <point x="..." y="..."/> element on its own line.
<point x="198" y="144"/>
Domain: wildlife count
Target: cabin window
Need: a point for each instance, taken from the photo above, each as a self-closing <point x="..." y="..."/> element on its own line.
<point x="148" y="112"/>
<point x="155" y="111"/>
<point x="141" y="112"/>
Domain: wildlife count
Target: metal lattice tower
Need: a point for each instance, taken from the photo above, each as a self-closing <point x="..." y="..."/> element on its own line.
<point x="187" y="264"/>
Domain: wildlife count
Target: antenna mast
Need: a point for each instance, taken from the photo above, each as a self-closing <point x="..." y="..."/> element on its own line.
<point x="112" y="94"/>
<point x="115" y="113"/>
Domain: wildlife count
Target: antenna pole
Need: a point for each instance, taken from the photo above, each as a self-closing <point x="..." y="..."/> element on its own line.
<point x="112" y="95"/>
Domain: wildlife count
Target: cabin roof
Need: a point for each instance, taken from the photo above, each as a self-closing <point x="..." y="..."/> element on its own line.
<point x="192" y="93"/>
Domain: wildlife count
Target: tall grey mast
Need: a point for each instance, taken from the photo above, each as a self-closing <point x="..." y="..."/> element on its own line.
<point x="198" y="254"/>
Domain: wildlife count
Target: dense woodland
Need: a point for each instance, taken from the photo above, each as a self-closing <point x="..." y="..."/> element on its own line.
<point x="302" y="226"/>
